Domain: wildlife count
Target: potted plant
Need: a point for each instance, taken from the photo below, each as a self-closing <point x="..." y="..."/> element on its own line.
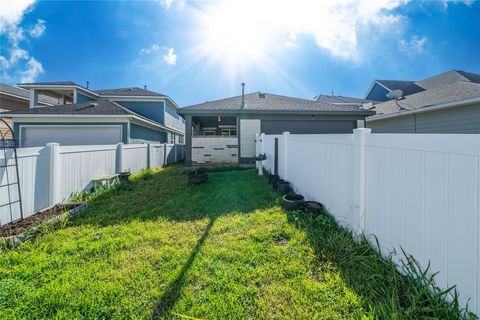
<point x="197" y="176"/>
<point x="292" y="201"/>
<point x="283" y="187"/>
<point x="312" y="207"/>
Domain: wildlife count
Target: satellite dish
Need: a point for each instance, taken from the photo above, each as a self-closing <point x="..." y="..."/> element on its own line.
<point x="395" y="94"/>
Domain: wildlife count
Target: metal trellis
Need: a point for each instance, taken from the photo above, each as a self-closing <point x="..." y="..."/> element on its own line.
<point x="11" y="178"/>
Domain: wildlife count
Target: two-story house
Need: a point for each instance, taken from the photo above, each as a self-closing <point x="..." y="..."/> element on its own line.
<point x="84" y="116"/>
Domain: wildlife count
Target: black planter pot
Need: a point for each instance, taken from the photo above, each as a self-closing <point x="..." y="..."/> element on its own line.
<point x="292" y="201"/>
<point x="283" y="187"/>
<point x="275" y="183"/>
<point x="197" y="178"/>
<point x="312" y="207"/>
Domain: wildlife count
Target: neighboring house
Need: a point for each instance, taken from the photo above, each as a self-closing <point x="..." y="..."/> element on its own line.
<point x="447" y="103"/>
<point x="223" y="131"/>
<point x="84" y="116"/>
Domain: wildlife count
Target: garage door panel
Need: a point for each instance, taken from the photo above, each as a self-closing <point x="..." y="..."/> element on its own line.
<point x="39" y="136"/>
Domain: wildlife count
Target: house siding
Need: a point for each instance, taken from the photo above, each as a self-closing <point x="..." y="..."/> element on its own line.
<point x="139" y="134"/>
<point x="10" y="104"/>
<point x="307" y="126"/>
<point x="83" y="98"/>
<point x="464" y="120"/>
<point x="378" y="93"/>
<point x="151" y="110"/>
<point x="173" y="119"/>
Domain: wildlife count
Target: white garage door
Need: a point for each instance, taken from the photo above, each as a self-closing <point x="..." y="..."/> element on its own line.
<point x="72" y="135"/>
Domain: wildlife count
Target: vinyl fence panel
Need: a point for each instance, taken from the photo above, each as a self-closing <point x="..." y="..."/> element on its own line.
<point x="52" y="174"/>
<point x="419" y="192"/>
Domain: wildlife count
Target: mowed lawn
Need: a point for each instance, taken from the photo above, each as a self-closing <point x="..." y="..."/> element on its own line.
<point x="161" y="248"/>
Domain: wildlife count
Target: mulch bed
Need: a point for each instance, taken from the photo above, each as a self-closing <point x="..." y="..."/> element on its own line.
<point x="19" y="226"/>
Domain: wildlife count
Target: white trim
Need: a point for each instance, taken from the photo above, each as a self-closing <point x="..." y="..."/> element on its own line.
<point x="75" y="97"/>
<point x="22" y="126"/>
<point x="59" y="87"/>
<point x="44" y="115"/>
<point x="441" y="106"/>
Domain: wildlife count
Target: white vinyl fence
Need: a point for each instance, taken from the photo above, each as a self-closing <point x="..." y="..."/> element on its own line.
<point x="50" y="175"/>
<point x="420" y="192"/>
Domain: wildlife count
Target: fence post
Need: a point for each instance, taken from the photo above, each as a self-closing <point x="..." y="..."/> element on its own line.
<point x="149" y="156"/>
<point x="165" y="158"/>
<point x="257" y="148"/>
<point x="286" y="134"/>
<point x="54" y="174"/>
<point x="359" y="175"/>
<point x="119" y="156"/>
<point x="175" y="151"/>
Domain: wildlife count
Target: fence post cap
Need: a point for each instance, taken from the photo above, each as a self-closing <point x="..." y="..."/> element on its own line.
<point x="52" y="144"/>
<point x="362" y="130"/>
<point x="286" y="133"/>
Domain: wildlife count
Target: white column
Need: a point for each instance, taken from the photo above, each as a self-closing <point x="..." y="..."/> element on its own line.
<point x="33" y="98"/>
<point x="54" y="174"/>
<point x="359" y="174"/>
<point x="286" y="134"/>
<point x="119" y="156"/>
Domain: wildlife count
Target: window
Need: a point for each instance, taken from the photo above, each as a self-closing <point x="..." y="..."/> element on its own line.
<point x="208" y="132"/>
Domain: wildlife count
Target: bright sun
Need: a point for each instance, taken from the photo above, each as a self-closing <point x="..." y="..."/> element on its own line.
<point x="230" y="34"/>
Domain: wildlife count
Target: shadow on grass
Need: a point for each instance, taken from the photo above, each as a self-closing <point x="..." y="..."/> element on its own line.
<point x="386" y="293"/>
<point x="168" y="300"/>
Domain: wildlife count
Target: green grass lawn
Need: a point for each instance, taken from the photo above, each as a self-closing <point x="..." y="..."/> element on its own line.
<point x="223" y="250"/>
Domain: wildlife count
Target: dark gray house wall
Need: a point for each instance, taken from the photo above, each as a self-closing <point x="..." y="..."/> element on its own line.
<point x="464" y="119"/>
<point x="307" y="126"/>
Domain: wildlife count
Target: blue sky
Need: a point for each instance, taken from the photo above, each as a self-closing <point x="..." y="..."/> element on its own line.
<point x="198" y="51"/>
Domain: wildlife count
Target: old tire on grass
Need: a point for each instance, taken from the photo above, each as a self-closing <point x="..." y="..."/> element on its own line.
<point x="292" y="201"/>
<point x="312" y="207"/>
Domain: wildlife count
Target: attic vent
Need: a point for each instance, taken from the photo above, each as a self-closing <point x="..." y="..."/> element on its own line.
<point x="130" y="89"/>
<point x="261" y="95"/>
<point x="93" y="104"/>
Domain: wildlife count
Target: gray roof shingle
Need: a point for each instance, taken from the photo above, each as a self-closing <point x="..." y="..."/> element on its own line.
<point x="99" y="107"/>
<point x="456" y="91"/>
<point x="133" y="91"/>
<point x="340" y="99"/>
<point x="260" y="101"/>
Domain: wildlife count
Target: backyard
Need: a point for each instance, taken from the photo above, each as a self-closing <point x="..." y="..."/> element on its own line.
<point x="160" y="248"/>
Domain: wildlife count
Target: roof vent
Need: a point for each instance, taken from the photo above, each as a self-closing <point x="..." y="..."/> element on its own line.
<point x="93" y="104"/>
<point x="130" y="89"/>
<point x="261" y="95"/>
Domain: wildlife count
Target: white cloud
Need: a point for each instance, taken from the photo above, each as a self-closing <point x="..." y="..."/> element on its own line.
<point x="33" y="70"/>
<point x="167" y="4"/>
<point x="170" y="56"/>
<point x="38" y="29"/>
<point x="413" y="46"/>
<point x="334" y="25"/>
<point x="12" y="13"/>
<point x="18" y="64"/>
<point x="152" y="49"/>
<point x="465" y="2"/>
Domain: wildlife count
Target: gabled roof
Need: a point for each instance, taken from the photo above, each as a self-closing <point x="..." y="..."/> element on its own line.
<point x="456" y="91"/>
<point x="267" y="102"/>
<point x="407" y="87"/>
<point x="99" y="107"/>
<point x="340" y="99"/>
<point x="447" y="78"/>
<point x="128" y="92"/>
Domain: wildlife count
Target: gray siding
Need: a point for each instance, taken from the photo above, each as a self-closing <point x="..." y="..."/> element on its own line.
<point x="139" y="134"/>
<point x="464" y="119"/>
<point x="306" y="126"/>
<point x="151" y="110"/>
<point x="83" y="98"/>
<point x="404" y="124"/>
